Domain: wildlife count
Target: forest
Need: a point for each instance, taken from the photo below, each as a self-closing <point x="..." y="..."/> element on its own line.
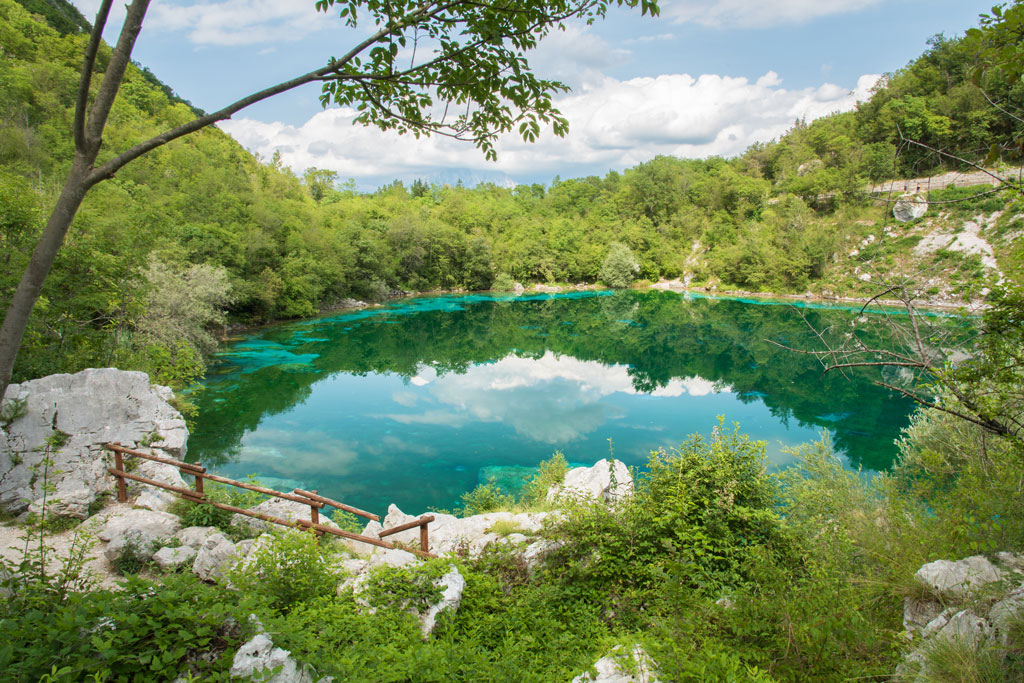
<point x="201" y="233"/>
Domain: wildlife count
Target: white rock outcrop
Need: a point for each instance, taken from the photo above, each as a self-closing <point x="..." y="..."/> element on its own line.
<point x="607" y="480"/>
<point x="214" y="557"/>
<point x="93" y="407"/>
<point x="616" y="667"/>
<point x="145" y="528"/>
<point x="258" y="658"/>
<point x="278" y="507"/>
<point x="908" y="207"/>
<point x="171" y="558"/>
<point x="958" y="579"/>
<point x="448" y="533"/>
<point x="452" y="584"/>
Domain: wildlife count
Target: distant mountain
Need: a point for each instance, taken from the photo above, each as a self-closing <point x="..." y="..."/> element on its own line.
<point x="60" y="14"/>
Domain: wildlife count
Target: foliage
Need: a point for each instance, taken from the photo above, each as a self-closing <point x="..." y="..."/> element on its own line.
<point x="144" y="631"/>
<point x="484" y="498"/>
<point x="133" y="558"/>
<point x="199" y="514"/>
<point x="620" y="267"/>
<point x="551" y="472"/>
<point x="285" y="567"/>
<point x="503" y="283"/>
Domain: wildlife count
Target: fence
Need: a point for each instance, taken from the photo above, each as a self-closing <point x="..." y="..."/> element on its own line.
<point x="315" y="501"/>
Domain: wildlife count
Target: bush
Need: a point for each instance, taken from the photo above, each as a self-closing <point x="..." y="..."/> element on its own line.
<point x="285" y="568"/>
<point x="503" y="283"/>
<point x="620" y="267"/>
<point x="552" y="473"/>
<point x="485" y="498"/>
<point x="144" y="632"/>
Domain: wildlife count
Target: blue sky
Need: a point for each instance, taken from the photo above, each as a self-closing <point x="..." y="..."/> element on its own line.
<point x="706" y="77"/>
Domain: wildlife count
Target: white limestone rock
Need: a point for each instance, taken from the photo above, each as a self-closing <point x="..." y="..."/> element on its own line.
<point x="146" y="528"/>
<point x="94" y="407"/>
<point x="171" y="558"/>
<point x="615" y="667"/>
<point x="452" y="585"/>
<point x="957" y="580"/>
<point x="195" y="536"/>
<point x="214" y="557"/>
<point x="1004" y="614"/>
<point x="448" y="533"/>
<point x="596" y="482"/>
<point x="258" y="657"/>
<point x="917" y="614"/>
<point x="908" y="207"/>
<point x="278" y="507"/>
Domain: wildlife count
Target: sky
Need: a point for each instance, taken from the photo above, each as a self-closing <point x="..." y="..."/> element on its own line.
<point x="706" y="77"/>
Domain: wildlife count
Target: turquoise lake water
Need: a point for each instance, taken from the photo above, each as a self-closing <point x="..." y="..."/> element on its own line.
<point x="418" y="401"/>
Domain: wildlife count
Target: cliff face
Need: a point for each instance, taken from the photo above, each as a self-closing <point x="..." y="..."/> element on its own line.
<point x="68" y="418"/>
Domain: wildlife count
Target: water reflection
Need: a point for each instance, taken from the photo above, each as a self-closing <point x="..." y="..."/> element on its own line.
<point x="417" y="399"/>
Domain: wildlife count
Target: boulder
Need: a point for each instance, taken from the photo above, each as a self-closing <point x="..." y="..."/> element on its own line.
<point x="172" y="558"/>
<point x="214" y="556"/>
<point x="917" y="614"/>
<point x="596" y="482"/>
<point x="957" y="580"/>
<point x="518" y="288"/>
<point x="258" y="657"/>
<point x="278" y="507"/>
<point x="1004" y="614"/>
<point x="145" y="528"/>
<point x="452" y="585"/>
<point x="196" y="536"/>
<point x="908" y="207"/>
<point x="93" y="407"/>
<point x="615" y="667"/>
<point x="448" y="533"/>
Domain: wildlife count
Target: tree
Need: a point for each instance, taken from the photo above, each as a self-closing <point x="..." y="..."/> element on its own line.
<point x="620" y="267"/>
<point x="466" y="77"/>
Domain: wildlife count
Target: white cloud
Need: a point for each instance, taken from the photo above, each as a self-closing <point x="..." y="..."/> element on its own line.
<point x="613" y="124"/>
<point x="240" y="22"/>
<point x="552" y="399"/>
<point x="757" y="13"/>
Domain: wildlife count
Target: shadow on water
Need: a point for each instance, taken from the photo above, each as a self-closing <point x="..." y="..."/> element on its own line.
<point x="411" y="401"/>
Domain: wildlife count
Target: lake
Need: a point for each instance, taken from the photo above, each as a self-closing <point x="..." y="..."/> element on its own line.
<point x="420" y="400"/>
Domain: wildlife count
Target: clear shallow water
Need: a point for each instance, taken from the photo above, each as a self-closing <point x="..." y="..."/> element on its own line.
<point x="416" y="402"/>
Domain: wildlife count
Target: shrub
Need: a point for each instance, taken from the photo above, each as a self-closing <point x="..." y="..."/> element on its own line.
<point x="503" y="283"/>
<point x="285" y="568"/>
<point x="485" y="498"/>
<point x="620" y="267"/>
<point x="551" y="473"/>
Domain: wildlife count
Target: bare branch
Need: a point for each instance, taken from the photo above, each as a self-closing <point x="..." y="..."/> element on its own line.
<point x="85" y="80"/>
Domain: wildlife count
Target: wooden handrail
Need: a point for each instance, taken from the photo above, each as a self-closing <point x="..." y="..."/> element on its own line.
<point x="335" y="504"/>
<point x="408" y="525"/>
<point x="311" y="498"/>
<point x="157" y="458"/>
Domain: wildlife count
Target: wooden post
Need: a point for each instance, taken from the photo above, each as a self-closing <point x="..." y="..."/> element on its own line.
<point x="315" y="514"/>
<point x="199" y="485"/>
<point x="122" y="490"/>
<point x="424" y="540"/>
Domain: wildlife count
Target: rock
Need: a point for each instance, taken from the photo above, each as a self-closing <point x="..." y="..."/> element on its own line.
<point x="278" y="507"/>
<point x="1011" y="561"/>
<point x="143" y="527"/>
<point x="213" y="557"/>
<point x="805" y="168"/>
<point x="94" y="407"/>
<point x="546" y="289"/>
<point x="908" y="207"/>
<point x="596" y="482"/>
<point x="518" y="288"/>
<point x="171" y="558"/>
<point x="258" y="657"/>
<point x="1004" y="614"/>
<point x="195" y="536"/>
<point x="610" y="668"/>
<point x="917" y="614"/>
<point x="958" y="579"/>
<point x="392" y="558"/>
<point x="452" y="585"/>
<point x="448" y="533"/>
<point x="65" y="503"/>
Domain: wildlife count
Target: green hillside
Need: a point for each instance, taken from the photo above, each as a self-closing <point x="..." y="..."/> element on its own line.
<point x="258" y="243"/>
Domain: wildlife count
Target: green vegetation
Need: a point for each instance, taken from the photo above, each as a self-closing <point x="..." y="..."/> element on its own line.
<point x="259" y="243"/>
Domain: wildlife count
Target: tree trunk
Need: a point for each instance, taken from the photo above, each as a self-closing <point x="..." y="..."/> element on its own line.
<point x="43" y="256"/>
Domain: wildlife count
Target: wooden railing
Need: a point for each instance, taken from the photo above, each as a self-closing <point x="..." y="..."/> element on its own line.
<point x="315" y="501"/>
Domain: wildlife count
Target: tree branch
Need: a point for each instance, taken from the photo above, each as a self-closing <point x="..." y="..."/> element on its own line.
<point x="85" y="80"/>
